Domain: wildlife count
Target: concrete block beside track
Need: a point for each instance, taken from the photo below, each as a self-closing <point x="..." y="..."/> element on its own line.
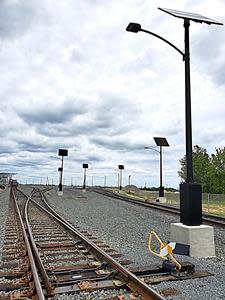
<point x="199" y="238"/>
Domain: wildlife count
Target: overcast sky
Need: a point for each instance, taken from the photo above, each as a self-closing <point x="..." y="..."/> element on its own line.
<point x="72" y="77"/>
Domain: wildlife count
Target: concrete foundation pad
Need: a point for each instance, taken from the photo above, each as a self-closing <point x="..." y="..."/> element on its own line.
<point x="161" y="199"/>
<point x="199" y="238"/>
<point x="60" y="193"/>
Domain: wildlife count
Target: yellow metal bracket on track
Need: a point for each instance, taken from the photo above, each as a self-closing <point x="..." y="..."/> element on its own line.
<point x="165" y="249"/>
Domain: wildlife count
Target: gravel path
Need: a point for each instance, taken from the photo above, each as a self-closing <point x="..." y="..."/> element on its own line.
<point x="4" y="203"/>
<point x="125" y="227"/>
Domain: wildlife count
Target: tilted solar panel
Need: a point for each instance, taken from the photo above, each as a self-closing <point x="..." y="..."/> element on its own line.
<point x="189" y="16"/>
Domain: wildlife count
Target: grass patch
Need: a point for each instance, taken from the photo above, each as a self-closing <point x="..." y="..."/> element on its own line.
<point x="214" y="209"/>
<point x="211" y="204"/>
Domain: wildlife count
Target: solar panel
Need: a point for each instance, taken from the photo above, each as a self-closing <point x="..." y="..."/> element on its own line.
<point x="121" y="167"/>
<point x="63" y="152"/>
<point x="189" y="16"/>
<point x="161" y="141"/>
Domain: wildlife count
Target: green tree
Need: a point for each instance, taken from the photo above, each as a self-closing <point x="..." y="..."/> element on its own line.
<point x="208" y="171"/>
<point x="218" y="171"/>
<point x="201" y="165"/>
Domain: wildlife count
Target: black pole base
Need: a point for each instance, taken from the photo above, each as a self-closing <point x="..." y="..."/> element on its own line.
<point x="191" y="204"/>
<point x="161" y="191"/>
<point x="60" y="187"/>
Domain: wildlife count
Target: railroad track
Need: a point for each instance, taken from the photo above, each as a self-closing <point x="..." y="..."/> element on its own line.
<point x="207" y="218"/>
<point x="44" y="256"/>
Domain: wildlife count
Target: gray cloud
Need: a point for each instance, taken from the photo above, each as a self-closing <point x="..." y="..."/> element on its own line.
<point x="88" y="158"/>
<point x="121" y="111"/>
<point x="143" y="61"/>
<point x="77" y="57"/>
<point x="209" y="50"/>
<point x="74" y="118"/>
<point x="29" y="163"/>
<point x="116" y="144"/>
<point x="51" y="113"/>
<point x="8" y="147"/>
<point x="16" y="17"/>
<point x="72" y="77"/>
<point x="72" y="129"/>
<point x="35" y="147"/>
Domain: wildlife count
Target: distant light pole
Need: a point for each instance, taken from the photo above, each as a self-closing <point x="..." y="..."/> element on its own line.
<point x="121" y="168"/>
<point x="85" y="167"/>
<point x="104" y="181"/>
<point x="62" y="153"/>
<point x="129" y="183"/>
<point x="161" y="142"/>
<point x="190" y="191"/>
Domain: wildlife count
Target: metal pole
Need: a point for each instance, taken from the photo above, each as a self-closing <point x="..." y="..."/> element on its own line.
<point x="84" y="184"/>
<point x="188" y="103"/>
<point x="120" y="179"/>
<point x="161" y="190"/>
<point x="190" y="191"/>
<point x="61" y="175"/>
<point x="129" y="183"/>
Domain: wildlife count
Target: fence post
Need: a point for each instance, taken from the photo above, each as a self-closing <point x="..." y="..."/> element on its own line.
<point x="208" y="203"/>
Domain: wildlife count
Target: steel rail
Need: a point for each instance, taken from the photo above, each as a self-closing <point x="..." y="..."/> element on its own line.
<point x="49" y="287"/>
<point x="131" y="279"/>
<point x="37" y="283"/>
<point x="207" y="218"/>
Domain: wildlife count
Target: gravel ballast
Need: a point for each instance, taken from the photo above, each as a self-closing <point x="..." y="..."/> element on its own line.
<point x="4" y="204"/>
<point x="125" y="227"/>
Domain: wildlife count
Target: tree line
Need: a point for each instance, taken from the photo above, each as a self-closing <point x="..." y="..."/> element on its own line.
<point x="208" y="170"/>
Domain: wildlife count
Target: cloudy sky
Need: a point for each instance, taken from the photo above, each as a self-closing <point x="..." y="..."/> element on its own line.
<point x="72" y="77"/>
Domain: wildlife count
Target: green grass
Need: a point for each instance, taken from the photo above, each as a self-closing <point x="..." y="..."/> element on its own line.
<point x="211" y="203"/>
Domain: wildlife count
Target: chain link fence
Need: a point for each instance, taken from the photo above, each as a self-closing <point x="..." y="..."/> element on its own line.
<point x="211" y="203"/>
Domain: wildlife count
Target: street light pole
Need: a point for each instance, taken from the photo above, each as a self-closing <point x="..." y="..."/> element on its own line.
<point x="161" y="142"/>
<point x="129" y="183"/>
<point x="189" y="164"/>
<point x="120" y="167"/>
<point x="104" y="181"/>
<point x="161" y="194"/>
<point x="190" y="192"/>
<point x="61" y="175"/>
<point x="84" y="183"/>
<point x="161" y="189"/>
<point x="85" y="167"/>
<point x="62" y="153"/>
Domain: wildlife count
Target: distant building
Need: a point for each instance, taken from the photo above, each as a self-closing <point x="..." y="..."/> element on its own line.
<point x="5" y="177"/>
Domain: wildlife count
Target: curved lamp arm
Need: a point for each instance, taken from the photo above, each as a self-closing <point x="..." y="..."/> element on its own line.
<point x="135" y="27"/>
<point x="152" y="149"/>
<point x="164" y="40"/>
